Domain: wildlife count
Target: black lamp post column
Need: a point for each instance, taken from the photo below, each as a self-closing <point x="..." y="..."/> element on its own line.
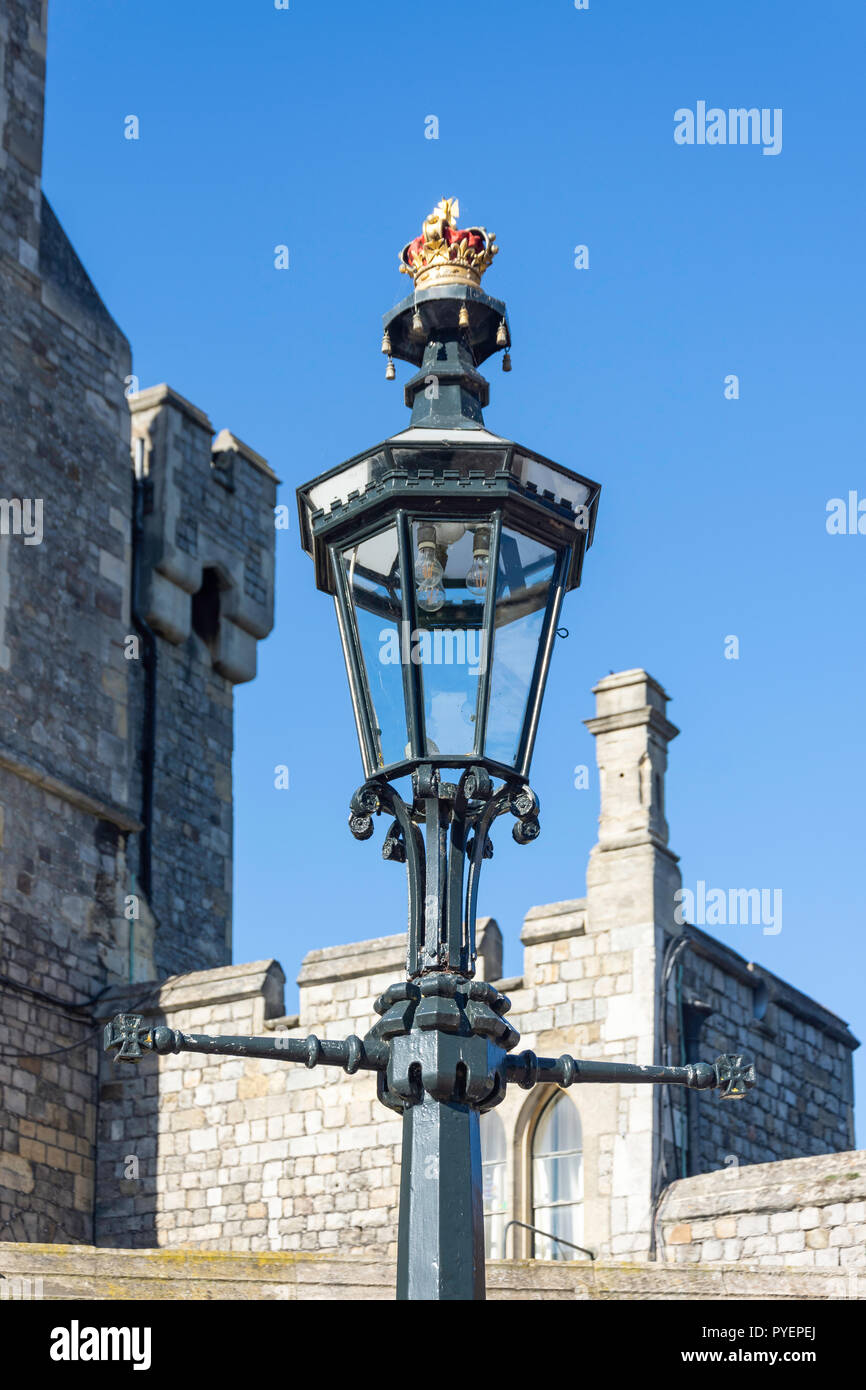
<point x="440" y="1074"/>
<point x="446" y="1034"/>
<point x="440" y="1250"/>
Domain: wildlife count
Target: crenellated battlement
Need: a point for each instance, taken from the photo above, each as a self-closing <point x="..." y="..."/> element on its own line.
<point x="207" y="563"/>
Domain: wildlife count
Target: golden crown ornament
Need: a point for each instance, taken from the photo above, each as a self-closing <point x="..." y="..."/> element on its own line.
<point x="445" y="254"/>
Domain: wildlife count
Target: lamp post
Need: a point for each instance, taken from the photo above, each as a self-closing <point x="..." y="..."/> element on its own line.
<point x="447" y="550"/>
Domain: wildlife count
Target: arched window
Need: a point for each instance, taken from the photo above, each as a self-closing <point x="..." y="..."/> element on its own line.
<point x="557" y="1180"/>
<point x="493" y="1171"/>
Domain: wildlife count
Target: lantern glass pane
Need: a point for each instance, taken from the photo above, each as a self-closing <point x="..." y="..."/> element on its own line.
<point x="373" y="582"/>
<point x="335" y="487"/>
<point x="451" y="560"/>
<point x="523" y="585"/>
<point x="557" y="482"/>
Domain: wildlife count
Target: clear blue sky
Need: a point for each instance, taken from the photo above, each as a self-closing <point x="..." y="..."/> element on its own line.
<point x="306" y="127"/>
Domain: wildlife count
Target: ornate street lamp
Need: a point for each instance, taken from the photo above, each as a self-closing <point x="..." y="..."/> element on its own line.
<point x="447" y="550"/>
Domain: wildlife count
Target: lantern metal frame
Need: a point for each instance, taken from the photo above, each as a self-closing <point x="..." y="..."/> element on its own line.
<point x="424" y="476"/>
<point x="432" y="489"/>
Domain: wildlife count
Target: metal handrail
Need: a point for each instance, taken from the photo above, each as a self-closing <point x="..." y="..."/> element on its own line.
<point x="548" y="1235"/>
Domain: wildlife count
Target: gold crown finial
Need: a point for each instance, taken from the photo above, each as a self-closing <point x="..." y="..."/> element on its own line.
<point x="445" y="253"/>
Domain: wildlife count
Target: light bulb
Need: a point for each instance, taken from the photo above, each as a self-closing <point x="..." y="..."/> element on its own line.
<point x="478" y="575"/>
<point x="428" y="578"/>
<point x="431" y="596"/>
<point x="427" y="568"/>
<point x="479" y="571"/>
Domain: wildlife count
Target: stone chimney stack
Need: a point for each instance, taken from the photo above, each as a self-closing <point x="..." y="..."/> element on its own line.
<point x="632" y="874"/>
<point x="632" y="733"/>
<point x="631" y="880"/>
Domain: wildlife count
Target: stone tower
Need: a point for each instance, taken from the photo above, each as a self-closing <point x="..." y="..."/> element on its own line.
<point x="205" y="538"/>
<point x="130" y="606"/>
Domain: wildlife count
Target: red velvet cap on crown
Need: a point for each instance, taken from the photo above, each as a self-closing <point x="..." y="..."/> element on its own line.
<point x="445" y="253"/>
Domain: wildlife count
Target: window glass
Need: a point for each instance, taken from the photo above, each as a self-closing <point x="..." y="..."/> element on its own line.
<point x="451" y="576"/>
<point x="557" y="1180"/>
<point x="493" y="1171"/>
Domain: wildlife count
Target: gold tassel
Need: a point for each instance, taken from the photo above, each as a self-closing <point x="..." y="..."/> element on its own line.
<point x="417" y="324"/>
<point x="389" y="371"/>
<point x="463" y="317"/>
<point x="502" y="334"/>
<point x="506" y="362"/>
<point x="386" y="342"/>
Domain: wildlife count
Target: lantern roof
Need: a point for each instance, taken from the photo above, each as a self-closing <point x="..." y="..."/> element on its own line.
<point x="447" y="461"/>
<point x="437" y="472"/>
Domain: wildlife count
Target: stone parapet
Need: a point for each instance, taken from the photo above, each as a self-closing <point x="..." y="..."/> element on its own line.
<point x="799" y="1213"/>
<point x="88" y="1274"/>
<point x="200" y="988"/>
<point x="554" y="922"/>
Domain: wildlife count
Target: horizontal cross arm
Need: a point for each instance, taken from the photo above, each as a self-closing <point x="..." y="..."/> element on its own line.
<point x="129" y="1039"/>
<point x="729" y="1074"/>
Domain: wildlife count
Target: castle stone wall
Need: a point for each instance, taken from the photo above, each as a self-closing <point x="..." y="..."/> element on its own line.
<point x="800" y="1213"/>
<point x="65" y="781"/>
<point x="802" y="1054"/>
<point x="246" y="1154"/>
<point x="266" y="1155"/>
<point x="72" y="691"/>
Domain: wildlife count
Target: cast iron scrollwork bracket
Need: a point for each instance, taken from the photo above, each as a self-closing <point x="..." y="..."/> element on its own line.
<point x="446" y="1037"/>
<point x="443" y="867"/>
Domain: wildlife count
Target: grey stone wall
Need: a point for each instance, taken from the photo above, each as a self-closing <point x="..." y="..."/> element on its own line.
<point x="71" y="692"/>
<point x="64" y="774"/>
<point x="802" y="1053"/>
<point x="241" y="1154"/>
<point x="804" y="1212"/>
